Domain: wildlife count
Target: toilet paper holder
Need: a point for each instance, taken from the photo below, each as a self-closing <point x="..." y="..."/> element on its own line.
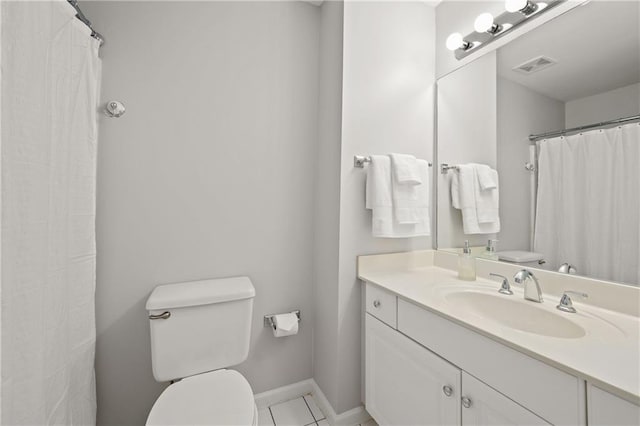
<point x="268" y="319"/>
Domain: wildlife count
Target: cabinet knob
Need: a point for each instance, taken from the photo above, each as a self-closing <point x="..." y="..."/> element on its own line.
<point x="376" y="303"/>
<point x="448" y="390"/>
<point x="466" y="402"/>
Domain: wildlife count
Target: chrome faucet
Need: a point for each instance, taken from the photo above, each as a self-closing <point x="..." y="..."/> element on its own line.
<point x="526" y="278"/>
<point x="566" y="305"/>
<point x="567" y="268"/>
<point x="505" y="288"/>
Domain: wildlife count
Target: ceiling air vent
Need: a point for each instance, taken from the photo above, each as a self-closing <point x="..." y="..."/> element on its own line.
<point x="535" y="65"/>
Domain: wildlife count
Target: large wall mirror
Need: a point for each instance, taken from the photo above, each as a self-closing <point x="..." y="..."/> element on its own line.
<point x="565" y="201"/>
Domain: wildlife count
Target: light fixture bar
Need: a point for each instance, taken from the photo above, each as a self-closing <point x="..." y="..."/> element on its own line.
<point x="502" y="24"/>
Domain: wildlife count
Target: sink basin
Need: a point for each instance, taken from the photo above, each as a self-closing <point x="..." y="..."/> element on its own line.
<point x="516" y="314"/>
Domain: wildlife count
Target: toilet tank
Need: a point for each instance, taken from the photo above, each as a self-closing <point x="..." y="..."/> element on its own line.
<point x="200" y="326"/>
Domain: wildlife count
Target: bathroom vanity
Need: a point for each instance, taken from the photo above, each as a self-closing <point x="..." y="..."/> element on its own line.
<point x="448" y="352"/>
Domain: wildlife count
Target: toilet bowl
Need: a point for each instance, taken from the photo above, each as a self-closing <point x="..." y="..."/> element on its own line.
<point x="198" y="330"/>
<point x="221" y="397"/>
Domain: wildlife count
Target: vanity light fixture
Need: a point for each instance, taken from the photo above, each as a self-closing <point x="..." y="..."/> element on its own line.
<point x="525" y="7"/>
<point x="489" y="28"/>
<point x="484" y="24"/>
<point x="456" y="41"/>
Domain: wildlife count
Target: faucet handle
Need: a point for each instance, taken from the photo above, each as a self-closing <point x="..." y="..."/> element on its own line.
<point x="566" y="305"/>
<point x="505" y="288"/>
<point x="567" y="268"/>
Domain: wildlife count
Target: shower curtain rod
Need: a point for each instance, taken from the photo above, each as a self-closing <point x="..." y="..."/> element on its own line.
<point x="534" y="138"/>
<point x="85" y="21"/>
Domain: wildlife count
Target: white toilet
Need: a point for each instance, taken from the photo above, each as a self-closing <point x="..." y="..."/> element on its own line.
<point x="198" y="329"/>
<point x="526" y="259"/>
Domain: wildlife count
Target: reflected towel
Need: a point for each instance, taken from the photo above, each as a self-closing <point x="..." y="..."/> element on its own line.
<point x="464" y="187"/>
<point x="487" y="200"/>
<point x="487" y="177"/>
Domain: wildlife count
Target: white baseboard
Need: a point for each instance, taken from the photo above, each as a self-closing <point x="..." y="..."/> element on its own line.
<point x="352" y="417"/>
<point x="284" y="393"/>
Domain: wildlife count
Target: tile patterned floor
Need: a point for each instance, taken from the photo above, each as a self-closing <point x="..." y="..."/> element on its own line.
<point x="302" y="411"/>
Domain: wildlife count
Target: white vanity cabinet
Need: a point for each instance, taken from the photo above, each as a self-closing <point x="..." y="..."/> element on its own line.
<point x="606" y="409"/>
<point x="485" y="406"/>
<point x="422" y="369"/>
<point x="405" y="383"/>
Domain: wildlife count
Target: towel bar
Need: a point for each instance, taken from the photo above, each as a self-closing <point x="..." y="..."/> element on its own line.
<point x="444" y="168"/>
<point x="360" y="160"/>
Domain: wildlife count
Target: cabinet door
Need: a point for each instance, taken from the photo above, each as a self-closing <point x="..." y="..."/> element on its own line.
<point x="405" y="383"/>
<point x="606" y="409"/>
<point x="487" y="406"/>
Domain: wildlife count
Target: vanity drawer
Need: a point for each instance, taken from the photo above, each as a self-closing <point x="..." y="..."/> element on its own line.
<point x="381" y="304"/>
<point x="550" y="393"/>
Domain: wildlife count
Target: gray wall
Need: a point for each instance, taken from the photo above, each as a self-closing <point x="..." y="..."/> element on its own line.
<point x="387" y="106"/>
<point x="621" y="102"/>
<point x="521" y="112"/>
<point x="327" y="224"/>
<point x="209" y="174"/>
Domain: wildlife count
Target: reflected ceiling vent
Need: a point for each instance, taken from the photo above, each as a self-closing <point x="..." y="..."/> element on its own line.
<point x="535" y="65"/>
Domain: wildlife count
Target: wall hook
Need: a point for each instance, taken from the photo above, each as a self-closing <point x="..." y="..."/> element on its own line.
<point x="114" y="109"/>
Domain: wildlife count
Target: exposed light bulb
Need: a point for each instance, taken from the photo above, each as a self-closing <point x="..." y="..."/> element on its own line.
<point x="483" y="23"/>
<point x="455" y="41"/>
<point x="515" y="5"/>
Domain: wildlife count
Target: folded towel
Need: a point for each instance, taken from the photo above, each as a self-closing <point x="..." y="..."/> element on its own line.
<point x="487" y="201"/>
<point x="379" y="201"/>
<point x="405" y="169"/>
<point x="467" y="188"/>
<point x="487" y="177"/>
<point x="411" y="203"/>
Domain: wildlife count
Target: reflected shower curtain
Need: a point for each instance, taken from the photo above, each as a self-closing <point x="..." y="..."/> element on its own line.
<point x="589" y="203"/>
<point x="50" y="82"/>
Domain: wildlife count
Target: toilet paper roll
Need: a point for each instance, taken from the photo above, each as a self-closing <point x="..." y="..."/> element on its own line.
<point x="285" y="324"/>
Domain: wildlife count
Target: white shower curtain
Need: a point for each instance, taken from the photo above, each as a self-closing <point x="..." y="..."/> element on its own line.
<point x="50" y="83"/>
<point x="588" y="205"/>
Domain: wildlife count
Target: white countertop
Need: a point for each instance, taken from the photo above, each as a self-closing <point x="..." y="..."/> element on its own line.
<point x="608" y="355"/>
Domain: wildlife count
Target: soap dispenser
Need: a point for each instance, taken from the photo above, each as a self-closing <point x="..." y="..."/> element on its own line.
<point x="466" y="264"/>
<point x="490" y="250"/>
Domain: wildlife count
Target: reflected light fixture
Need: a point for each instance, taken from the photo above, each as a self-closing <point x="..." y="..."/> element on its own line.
<point x="525" y="7"/>
<point x="484" y="24"/>
<point x="488" y="28"/>
<point x="455" y="41"/>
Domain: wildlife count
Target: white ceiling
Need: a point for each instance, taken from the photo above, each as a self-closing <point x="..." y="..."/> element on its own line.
<point x="597" y="47"/>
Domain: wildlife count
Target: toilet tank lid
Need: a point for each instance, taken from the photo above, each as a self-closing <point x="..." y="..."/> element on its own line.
<point x="203" y="292"/>
<point x="519" y="256"/>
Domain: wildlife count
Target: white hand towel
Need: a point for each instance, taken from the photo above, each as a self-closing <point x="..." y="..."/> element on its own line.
<point x="467" y="189"/>
<point x="379" y="201"/>
<point x="405" y="169"/>
<point x="487" y="177"/>
<point x="378" y="186"/>
<point x="487" y="201"/>
<point x="378" y="195"/>
<point x="422" y="202"/>
<point x="411" y="203"/>
<point x="405" y="200"/>
<point x="455" y="191"/>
